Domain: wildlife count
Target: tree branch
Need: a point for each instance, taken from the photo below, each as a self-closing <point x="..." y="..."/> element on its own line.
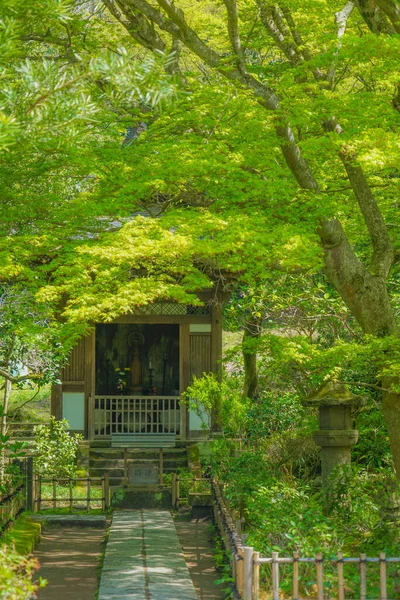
<point x="233" y="31"/>
<point x="363" y="292"/>
<point x="175" y="24"/>
<point x="137" y="26"/>
<point x="276" y="32"/>
<point x="341" y="18"/>
<point x="6" y="375"/>
<point x="383" y="252"/>
<point x="392" y="11"/>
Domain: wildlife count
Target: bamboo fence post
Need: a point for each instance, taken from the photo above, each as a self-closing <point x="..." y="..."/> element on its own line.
<point x="340" y="576"/>
<point x="248" y="573"/>
<point x="54" y="494"/>
<point x="320" y="576"/>
<point x="382" y="568"/>
<point x="161" y="466"/>
<point x="88" y="494"/>
<point x="295" y="576"/>
<point x="363" y="577"/>
<point x="173" y="490"/>
<point x="106" y="490"/>
<point x="71" y="496"/>
<point x="275" y="576"/>
<point x="256" y="575"/>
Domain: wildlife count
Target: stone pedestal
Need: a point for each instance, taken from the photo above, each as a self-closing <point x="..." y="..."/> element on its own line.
<point x="335" y="435"/>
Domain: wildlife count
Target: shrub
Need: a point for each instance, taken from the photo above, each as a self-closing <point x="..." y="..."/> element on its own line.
<point x="16" y="575"/>
<point x="55" y="449"/>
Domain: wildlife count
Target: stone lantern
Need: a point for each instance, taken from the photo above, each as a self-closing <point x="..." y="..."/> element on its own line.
<point x="335" y="435"/>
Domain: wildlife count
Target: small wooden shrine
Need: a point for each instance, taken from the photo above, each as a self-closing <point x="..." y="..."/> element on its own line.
<point x="123" y="383"/>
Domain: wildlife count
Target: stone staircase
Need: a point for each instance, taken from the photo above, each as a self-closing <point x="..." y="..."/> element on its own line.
<point x="115" y="460"/>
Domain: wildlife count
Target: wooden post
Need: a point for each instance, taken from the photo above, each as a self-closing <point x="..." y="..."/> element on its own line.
<point x="106" y="490"/>
<point x="161" y="474"/>
<point x="71" y="496"/>
<point x="55" y="494"/>
<point x="184" y="359"/>
<point x="363" y="577"/>
<point x="30" y="503"/>
<point x="178" y="490"/>
<point x="382" y="565"/>
<point x="320" y="576"/>
<point x="88" y="494"/>
<point x="340" y="576"/>
<point x="275" y="576"/>
<point x="295" y="576"/>
<point x="256" y="575"/>
<point x="248" y="573"/>
<point x="240" y="572"/>
<point x="39" y="491"/>
<point x="173" y="490"/>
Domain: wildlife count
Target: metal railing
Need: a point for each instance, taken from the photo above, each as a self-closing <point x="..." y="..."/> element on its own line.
<point x="136" y="414"/>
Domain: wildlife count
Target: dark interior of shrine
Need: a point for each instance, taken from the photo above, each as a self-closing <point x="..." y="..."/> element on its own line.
<point x="137" y="360"/>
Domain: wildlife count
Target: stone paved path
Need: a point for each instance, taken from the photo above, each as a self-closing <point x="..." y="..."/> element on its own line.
<point x="144" y="559"/>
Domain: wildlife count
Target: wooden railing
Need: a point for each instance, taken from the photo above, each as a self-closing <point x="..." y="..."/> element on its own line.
<point x="72" y="493"/>
<point x="136" y="414"/>
<point x="246" y="564"/>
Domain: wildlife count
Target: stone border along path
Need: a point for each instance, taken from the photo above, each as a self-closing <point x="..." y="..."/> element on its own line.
<point x="144" y="559"/>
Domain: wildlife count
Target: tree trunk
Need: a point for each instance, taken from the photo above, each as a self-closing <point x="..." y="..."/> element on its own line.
<point x="367" y="297"/>
<point x="250" y="336"/>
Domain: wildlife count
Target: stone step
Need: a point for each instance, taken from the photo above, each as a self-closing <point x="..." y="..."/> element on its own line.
<point x="136" y="451"/>
<point x="119" y="463"/>
<point x="119" y="473"/>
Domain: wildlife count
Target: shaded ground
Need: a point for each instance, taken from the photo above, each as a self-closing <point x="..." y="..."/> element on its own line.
<point x="195" y="541"/>
<point x="69" y="557"/>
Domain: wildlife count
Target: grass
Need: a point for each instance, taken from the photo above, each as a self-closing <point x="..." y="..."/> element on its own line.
<point x="33" y="412"/>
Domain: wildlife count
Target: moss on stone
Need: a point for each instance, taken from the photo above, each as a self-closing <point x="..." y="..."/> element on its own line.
<point x="24" y="534"/>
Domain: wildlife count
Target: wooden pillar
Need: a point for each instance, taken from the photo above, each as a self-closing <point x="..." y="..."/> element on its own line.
<point x="89" y="385"/>
<point x="184" y="359"/>
<point x="56" y="400"/>
<point x="216" y="337"/>
<point x="216" y="355"/>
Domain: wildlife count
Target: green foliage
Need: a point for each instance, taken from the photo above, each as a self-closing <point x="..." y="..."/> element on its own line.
<point x="16" y="575"/>
<point x="273" y="413"/>
<point x="55" y="449"/>
<point x="209" y="396"/>
<point x="357" y="514"/>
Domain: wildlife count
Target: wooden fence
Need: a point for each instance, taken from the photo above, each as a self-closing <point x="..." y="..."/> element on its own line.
<point x="200" y="486"/>
<point x="74" y="492"/>
<point x="246" y="563"/>
<point x="11" y="505"/>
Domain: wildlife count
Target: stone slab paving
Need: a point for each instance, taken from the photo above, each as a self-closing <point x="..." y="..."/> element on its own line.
<point x="144" y="559"/>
